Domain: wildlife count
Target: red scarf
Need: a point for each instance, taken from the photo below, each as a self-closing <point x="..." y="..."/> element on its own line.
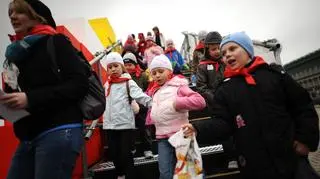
<point x="169" y="51"/>
<point x="36" y="30"/>
<point x="258" y="61"/>
<point x="137" y="71"/>
<point x="112" y="79"/>
<point x="154" y="86"/>
<point x="210" y="62"/>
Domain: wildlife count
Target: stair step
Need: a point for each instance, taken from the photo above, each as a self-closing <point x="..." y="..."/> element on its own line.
<point x="105" y="166"/>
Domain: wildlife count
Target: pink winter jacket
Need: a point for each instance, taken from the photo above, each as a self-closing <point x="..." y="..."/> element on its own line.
<point x="167" y="118"/>
<point x="150" y="53"/>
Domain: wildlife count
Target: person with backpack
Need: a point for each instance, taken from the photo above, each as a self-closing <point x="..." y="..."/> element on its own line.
<point x="119" y="116"/>
<point x="140" y="77"/>
<point x="272" y="118"/>
<point x="50" y="138"/>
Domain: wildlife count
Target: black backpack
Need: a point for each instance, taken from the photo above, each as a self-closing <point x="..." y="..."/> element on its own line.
<point x="93" y="104"/>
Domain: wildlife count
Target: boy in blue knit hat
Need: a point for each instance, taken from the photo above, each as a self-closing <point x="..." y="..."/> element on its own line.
<point x="272" y="118"/>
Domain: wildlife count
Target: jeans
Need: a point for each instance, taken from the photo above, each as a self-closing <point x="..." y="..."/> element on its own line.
<point x="166" y="159"/>
<point x="51" y="156"/>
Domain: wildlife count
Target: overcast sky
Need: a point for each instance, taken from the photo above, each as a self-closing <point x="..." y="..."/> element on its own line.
<point x="295" y="23"/>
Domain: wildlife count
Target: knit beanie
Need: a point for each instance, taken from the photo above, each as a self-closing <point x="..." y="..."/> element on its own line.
<point x="242" y="39"/>
<point x="43" y="11"/>
<point x="160" y="61"/>
<point x="130" y="58"/>
<point x="112" y="57"/>
<point x="149" y="38"/>
<point x="213" y="38"/>
<point x="169" y="41"/>
<point x="202" y="35"/>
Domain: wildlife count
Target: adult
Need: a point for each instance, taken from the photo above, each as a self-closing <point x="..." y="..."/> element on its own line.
<point x="50" y="138"/>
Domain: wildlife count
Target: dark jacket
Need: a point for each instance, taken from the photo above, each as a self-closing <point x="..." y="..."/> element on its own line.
<point x="51" y="103"/>
<point x="142" y="81"/>
<point x="264" y="119"/>
<point x="208" y="79"/>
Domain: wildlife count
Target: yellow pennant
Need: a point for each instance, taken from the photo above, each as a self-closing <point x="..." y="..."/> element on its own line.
<point x="103" y="30"/>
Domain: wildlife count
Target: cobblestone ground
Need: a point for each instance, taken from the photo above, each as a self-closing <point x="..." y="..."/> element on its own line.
<point x="314" y="157"/>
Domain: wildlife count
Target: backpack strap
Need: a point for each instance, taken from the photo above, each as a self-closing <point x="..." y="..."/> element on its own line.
<point x="128" y="92"/>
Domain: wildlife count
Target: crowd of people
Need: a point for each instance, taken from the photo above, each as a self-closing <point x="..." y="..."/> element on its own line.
<point x="269" y="117"/>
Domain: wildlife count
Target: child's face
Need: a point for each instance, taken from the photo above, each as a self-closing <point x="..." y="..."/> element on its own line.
<point x="234" y="56"/>
<point x="170" y="45"/>
<point x="149" y="43"/>
<point x="214" y="50"/>
<point x="115" y="69"/>
<point x="129" y="66"/>
<point x="160" y="75"/>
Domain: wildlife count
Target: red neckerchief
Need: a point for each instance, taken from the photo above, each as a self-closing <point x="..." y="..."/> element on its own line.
<point x="210" y="62"/>
<point x="258" y="61"/>
<point x="36" y="30"/>
<point x="200" y="46"/>
<point x="137" y="71"/>
<point x="112" y="79"/>
<point x="154" y="86"/>
<point x="169" y="51"/>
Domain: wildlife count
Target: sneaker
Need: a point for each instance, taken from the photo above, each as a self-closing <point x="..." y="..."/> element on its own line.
<point x="148" y="154"/>
<point x="121" y="177"/>
<point x="233" y="165"/>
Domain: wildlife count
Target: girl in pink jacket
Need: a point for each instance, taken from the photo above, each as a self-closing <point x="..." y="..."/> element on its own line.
<point x="172" y="99"/>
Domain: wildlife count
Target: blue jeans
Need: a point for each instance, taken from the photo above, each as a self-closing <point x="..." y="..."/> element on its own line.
<point x="166" y="159"/>
<point x="51" y="156"/>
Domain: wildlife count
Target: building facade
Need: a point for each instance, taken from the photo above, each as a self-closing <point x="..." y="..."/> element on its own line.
<point x="306" y="71"/>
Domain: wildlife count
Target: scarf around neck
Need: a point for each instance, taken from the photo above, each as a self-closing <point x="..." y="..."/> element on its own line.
<point x="20" y="46"/>
<point x="114" y="79"/>
<point x="210" y="62"/>
<point x="246" y="71"/>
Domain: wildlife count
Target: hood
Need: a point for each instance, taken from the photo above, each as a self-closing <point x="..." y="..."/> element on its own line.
<point x="178" y="80"/>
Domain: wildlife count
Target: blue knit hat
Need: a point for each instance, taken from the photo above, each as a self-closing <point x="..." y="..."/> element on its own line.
<point x="242" y="39"/>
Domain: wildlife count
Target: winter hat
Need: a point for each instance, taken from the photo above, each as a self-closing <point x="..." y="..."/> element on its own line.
<point x="112" y="57"/>
<point x="213" y="38"/>
<point x="160" y="61"/>
<point x="169" y="41"/>
<point x="149" y="38"/>
<point x="130" y="58"/>
<point x="43" y="11"/>
<point x="242" y="39"/>
<point x="202" y="35"/>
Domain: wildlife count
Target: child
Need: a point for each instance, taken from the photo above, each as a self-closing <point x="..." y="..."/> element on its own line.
<point x="272" y="118"/>
<point x="209" y="75"/>
<point x="210" y="69"/>
<point x="118" y="119"/>
<point x="198" y="53"/>
<point x="140" y="77"/>
<point x="172" y="98"/>
<point x="177" y="61"/>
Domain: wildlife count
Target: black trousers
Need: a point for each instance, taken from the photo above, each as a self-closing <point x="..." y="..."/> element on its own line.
<point x="145" y="132"/>
<point x="119" y="148"/>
